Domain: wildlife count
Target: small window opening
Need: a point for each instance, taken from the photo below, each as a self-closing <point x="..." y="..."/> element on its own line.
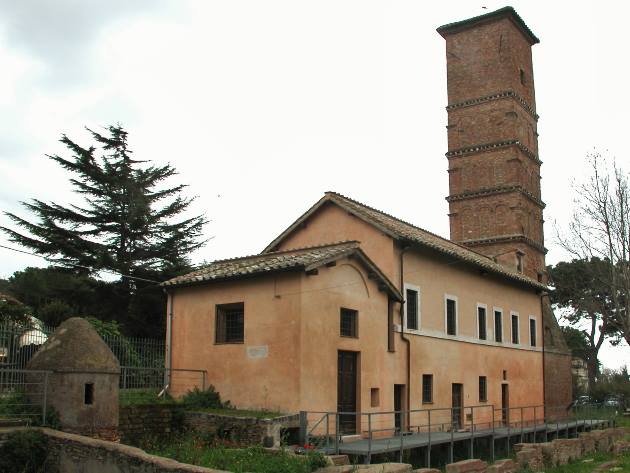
<point x="348" y="324"/>
<point x="375" y="397"/>
<point x="88" y="397"/>
<point x="519" y="262"/>
<point x="504" y="375"/>
<point x="523" y="81"/>
<point x="481" y="322"/>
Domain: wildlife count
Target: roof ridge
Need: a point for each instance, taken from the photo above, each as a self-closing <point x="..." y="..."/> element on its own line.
<point x="407" y="223"/>
<point x="274" y="253"/>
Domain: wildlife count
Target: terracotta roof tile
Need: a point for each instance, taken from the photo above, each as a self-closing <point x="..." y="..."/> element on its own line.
<point x="293" y="259"/>
<point x="402" y="230"/>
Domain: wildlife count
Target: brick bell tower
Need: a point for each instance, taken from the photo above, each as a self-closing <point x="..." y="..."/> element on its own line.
<point x="494" y="169"/>
<point x="495" y="206"/>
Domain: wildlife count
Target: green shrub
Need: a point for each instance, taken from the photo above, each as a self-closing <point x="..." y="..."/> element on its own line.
<point x="199" y="399"/>
<point x="24" y="452"/>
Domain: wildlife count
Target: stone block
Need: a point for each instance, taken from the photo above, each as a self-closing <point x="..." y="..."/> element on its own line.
<point x="503" y="466"/>
<point x="567" y="450"/>
<point x="426" y="470"/>
<point x="621" y="447"/>
<point x="530" y="458"/>
<point x="466" y="466"/>
<point x="588" y="443"/>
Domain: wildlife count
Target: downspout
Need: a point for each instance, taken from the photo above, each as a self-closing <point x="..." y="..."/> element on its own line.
<point x="544" y="351"/>
<point x="169" y="342"/>
<point x="402" y="332"/>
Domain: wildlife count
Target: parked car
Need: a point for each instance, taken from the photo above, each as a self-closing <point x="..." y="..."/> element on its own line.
<point x="612" y="402"/>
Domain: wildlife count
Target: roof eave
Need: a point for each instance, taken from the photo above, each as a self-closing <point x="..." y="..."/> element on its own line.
<point x="505" y="12"/>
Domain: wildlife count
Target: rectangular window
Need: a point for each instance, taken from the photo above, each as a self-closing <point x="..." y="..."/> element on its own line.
<point x="411" y="309"/>
<point x="230" y="323"/>
<point x="498" y="325"/>
<point x="532" y="331"/>
<point x="515" y="328"/>
<point x="427" y="388"/>
<point x="451" y="316"/>
<point x="481" y="322"/>
<point x="483" y="389"/>
<point x="348" y="323"/>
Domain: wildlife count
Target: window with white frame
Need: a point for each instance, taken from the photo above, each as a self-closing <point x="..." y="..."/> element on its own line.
<point x="482" y="331"/>
<point x="532" y="331"/>
<point x="412" y="307"/>
<point x="450" y="314"/>
<point x="514" y="325"/>
<point x="498" y="325"/>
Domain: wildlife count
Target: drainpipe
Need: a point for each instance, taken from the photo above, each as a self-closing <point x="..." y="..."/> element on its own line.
<point x="402" y="332"/>
<point x="169" y="341"/>
<point x="544" y="351"/>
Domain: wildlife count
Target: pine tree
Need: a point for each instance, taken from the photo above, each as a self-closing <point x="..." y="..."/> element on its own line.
<point x="128" y="224"/>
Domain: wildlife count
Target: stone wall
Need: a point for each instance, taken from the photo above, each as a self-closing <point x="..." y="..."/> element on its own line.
<point x="70" y="453"/>
<point x="242" y="430"/>
<point x="535" y="456"/>
<point x="141" y="421"/>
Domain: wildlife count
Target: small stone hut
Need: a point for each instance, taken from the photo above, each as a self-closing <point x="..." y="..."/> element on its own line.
<point x="83" y="384"/>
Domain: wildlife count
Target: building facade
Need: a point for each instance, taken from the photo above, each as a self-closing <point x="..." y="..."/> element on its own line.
<point x="353" y="310"/>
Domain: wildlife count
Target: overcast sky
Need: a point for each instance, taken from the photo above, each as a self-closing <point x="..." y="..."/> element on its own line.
<point x="262" y="106"/>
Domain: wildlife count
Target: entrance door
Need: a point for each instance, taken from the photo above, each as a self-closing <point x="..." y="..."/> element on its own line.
<point x="347" y="391"/>
<point x="399" y="393"/>
<point x="505" y="404"/>
<point x="458" y="404"/>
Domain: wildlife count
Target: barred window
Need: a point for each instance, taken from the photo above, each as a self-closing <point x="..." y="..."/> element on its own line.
<point x="230" y="323"/>
<point x="483" y="389"/>
<point x="348" y="323"/>
<point x="515" y="336"/>
<point x="498" y="326"/>
<point x="451" y="317"/>
<point x="412" y="309"/>
<point x="427" y="388"/>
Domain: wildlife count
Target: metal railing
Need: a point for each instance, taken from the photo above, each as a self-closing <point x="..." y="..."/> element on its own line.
<point x="23" y="396"/>
<point x="403" y="430"/>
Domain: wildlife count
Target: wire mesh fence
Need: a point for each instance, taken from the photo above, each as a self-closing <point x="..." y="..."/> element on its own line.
<point x="23" y="396"/>
<point x="18" y="344"/>
<point x="140" y="385"/>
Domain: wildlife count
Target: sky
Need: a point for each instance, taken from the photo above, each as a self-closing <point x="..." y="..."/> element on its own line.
<point x="262" y="106"/>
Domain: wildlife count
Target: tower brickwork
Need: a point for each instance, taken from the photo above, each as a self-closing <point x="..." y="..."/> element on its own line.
<point x="495" y="205"/>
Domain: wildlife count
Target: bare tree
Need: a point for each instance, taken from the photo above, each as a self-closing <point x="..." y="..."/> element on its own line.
<point x="600" y="228"/>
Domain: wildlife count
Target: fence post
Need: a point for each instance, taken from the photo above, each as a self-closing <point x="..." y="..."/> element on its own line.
<point x="327" y="433"/>
<point x="472" y="432"/>
<point x="369" y="455"/>
<point x="521" y="425"/>
<point x="452" y="432"/>
<point x="303" y="427"/>
<point x="493" y="433"/>
<point x="203" y="380"/>
<point x="337" y="433"/>
<point x="429" y="449"/>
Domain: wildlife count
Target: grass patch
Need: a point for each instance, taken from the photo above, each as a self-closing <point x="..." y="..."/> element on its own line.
<point x="206" y="451"/>
<point x="590" y="462"/>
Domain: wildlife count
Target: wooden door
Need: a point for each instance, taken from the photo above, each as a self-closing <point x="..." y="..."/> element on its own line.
<point x="347" y="391"/>
<point x="458" y="404"/>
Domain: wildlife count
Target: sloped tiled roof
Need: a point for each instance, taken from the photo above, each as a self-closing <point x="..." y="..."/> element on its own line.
<point x="303" y="259"/>
<point x="401" y="230"/>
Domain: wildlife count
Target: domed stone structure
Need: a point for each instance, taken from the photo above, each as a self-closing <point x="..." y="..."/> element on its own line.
<point x="83" y="385"/>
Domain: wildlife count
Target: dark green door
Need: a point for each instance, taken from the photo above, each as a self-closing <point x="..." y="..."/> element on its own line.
<point x="347" y="391"/>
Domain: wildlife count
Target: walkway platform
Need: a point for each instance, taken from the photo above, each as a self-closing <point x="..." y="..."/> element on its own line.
<point x="409" y="441"/>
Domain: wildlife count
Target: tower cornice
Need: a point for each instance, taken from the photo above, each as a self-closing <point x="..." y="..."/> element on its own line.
<point x="456" y="153"/>
<point x="504" y="239"/>
<point x="495" y="191"/>
<point x="506" y="94"/>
